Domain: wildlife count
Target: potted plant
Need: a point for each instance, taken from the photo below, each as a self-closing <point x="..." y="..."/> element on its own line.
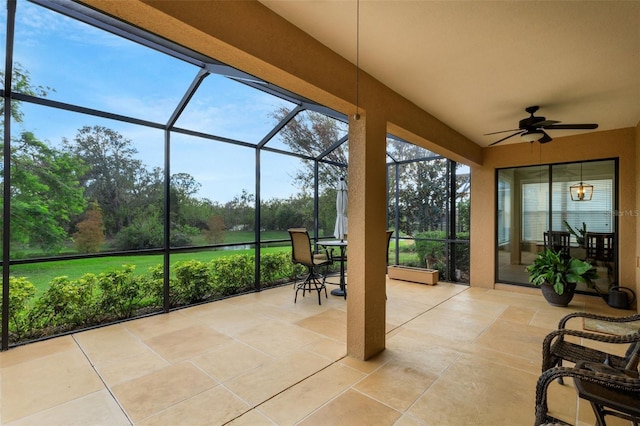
<point x="579" y="233"/>
<point x="558" y="274"/>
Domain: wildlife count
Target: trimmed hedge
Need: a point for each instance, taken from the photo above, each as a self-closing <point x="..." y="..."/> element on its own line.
<point x="120" y="294"/>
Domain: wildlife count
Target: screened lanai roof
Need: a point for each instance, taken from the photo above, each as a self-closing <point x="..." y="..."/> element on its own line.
<point x="203" y="97"/>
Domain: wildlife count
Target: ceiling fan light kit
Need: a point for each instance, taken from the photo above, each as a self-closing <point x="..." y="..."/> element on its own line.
<point x="532" y="136"/>
<point x="533" y="128"/>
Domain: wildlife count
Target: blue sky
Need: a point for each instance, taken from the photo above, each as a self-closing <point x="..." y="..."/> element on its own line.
<point x="89" y="67"/>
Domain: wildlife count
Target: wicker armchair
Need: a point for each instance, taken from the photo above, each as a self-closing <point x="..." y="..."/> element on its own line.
<point x="555" y="348"/>
<point x="618" y="392"/>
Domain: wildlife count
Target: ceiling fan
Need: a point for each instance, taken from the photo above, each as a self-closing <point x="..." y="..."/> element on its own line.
<point x="533" y="128"/>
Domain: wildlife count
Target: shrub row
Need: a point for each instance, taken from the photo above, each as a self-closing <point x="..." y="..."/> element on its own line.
<point x="95" y="299"/>
<point x="431" y="251"/>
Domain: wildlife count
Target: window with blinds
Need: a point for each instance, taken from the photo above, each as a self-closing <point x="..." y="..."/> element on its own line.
<point x="596" y="213"/>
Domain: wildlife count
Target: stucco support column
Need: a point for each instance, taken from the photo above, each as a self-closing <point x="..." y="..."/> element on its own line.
<point x="366" y="304"/>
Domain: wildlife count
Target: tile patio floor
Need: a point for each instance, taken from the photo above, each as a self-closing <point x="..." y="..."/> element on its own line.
<point x="455" y="356"/>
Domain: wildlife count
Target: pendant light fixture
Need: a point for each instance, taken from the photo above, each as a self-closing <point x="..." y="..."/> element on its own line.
<point x="581" y="191"/>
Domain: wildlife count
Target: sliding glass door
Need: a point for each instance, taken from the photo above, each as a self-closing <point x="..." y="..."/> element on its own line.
<point x="568" y="207"/>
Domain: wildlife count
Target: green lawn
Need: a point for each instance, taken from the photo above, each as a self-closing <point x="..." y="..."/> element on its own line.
<point x="41" y="274"/>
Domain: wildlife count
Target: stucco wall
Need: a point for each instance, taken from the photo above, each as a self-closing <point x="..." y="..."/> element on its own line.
<point x="637" y="245"/>
<point x="619" y="144"/>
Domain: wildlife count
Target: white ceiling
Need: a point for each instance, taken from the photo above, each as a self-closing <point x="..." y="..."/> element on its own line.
<point x="476" y="65"/>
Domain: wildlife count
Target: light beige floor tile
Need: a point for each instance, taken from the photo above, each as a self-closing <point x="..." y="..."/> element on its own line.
<point x="487" y="308"/>
<point x="275" y="293"/>
<point x="407" y="420"/>
<point x="186" y="343"/>
<point x="430" y="295"/>
<point x="331" y="323"/>
<point x="149" y="327"/>
<point x="45" y="382"/>
<point x="263" y="382"/>
<point x="123" y="370"/>
<point x="95" y="409"/>
<point x="278" y="338"/>
<point x="37" y="350"/>
<point x="352" y="408"/>
<point x="305" y="397"/>
<point x="518" y="314"/>
<point x="531" y="365"/>
<point x="328" y="348"/>
<point x="392" y="332"/>
<point x="451" y="325"/>
<point x="252" y="418"/>
<point x="399" y="310"/>
<point x="155" y="392"/>
<point x="413" y="348"/>
<point x="206" y="308"/>
<point x="398" y="383"/>
<point x="475" y="351"/>
<point x="231" y="319"/>
<point x="285" y="311"/>
<point x="563" y="402"/>
<point x="478" y="392"/>
<point x="369" y="365"/>
<point x="213" y="407"/>
<point x="513" y="338"/>
<point x="109" y="344"/>
<point x="231" y="360"/>
<point x="548" y="316"/>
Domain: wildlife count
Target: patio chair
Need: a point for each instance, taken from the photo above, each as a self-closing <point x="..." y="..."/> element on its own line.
<point x="556" y="348"/>
<point x="558" y="241"/>
<point x="610" y="391"/>
<point x="600" y="250"/>
<point x="302" y="253"/>
<point x="599" y="246"/>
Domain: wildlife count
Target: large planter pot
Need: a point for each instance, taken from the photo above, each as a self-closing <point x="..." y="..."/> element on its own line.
<point x="555" y="299"/>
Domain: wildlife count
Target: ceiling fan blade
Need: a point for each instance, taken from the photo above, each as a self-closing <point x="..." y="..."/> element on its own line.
<point x="545" y="123"/>
<point x="504" y="139"/>
<point x="572" y="126"/>
<point x="501" y="131"/>
<point x="546" y="138"/>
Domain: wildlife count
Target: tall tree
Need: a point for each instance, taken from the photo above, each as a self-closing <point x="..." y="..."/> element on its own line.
<point x="423" y="185"/>
<point x="309" y="134"/>
<point x="45" y="194"/>
<point x="239" y="213"/>
<point x="112" y="173"/>
<point x="90" y="234"/>
<point x="45" y="190"/>
<point x="21" y="83"/>
<point x="183" y="201"/>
